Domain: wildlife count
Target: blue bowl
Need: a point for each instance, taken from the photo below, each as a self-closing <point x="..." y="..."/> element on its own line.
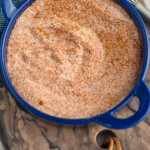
<point x="107" y="119"/>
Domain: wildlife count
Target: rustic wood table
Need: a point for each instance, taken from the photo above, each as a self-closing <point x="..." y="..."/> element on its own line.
<point x="21" y="131"/>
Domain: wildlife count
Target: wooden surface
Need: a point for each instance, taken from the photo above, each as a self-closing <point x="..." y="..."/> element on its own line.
<point x="22" y="131"/>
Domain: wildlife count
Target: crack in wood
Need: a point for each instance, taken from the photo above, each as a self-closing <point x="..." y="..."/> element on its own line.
<point x="51" y="145"/>
<point x="1" y="83"/>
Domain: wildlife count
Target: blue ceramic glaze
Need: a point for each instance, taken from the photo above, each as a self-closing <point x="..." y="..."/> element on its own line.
<point x="107" y="119"/>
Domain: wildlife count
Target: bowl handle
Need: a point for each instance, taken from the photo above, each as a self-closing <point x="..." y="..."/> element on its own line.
<point x="8" y="8"/>
<point x="143" y="94"/>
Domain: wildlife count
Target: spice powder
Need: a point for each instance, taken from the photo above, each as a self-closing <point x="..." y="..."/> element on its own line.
<point x="74" y="58"/>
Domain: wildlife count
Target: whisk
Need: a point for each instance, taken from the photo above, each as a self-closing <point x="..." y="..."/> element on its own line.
<point x="145" y="13"/>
